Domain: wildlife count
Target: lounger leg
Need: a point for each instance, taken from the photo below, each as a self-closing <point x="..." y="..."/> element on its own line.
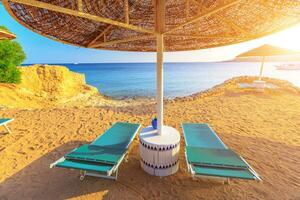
<point x="82" y="175"/>
<point x="116" y="175"/>
<point x="7" y="129"/>
<point x="227" y="182"/>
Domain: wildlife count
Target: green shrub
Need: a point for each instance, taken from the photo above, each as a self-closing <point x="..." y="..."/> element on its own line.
<point x="11" y="56"/>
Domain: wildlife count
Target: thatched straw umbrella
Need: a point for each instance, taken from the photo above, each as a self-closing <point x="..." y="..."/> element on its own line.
<point x="263" y="52"/>
<point x="5" y="35"/>
<point x="154" y="26"/>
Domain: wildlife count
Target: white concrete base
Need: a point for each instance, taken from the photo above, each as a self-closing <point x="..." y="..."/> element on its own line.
<point x="159" y="153"/>
<point x="259" y="84"/>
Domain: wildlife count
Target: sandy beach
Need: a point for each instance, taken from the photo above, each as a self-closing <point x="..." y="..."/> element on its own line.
<point x="230" y="64"/>
<point x="263" y="127"/>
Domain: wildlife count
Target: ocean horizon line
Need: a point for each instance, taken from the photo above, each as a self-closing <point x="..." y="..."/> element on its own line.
<point x="225" y="61"/>
<point x="45" y="63"/>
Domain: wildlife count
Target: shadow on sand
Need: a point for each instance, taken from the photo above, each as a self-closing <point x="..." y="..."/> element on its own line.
<point x="271" y="160"/>
<point x="38" y="181"/>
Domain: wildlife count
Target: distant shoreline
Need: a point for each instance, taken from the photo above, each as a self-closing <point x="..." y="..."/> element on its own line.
<point x="138" y="80"/>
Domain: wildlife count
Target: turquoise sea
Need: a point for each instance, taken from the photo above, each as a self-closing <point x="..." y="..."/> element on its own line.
<point x="123" y="80"/>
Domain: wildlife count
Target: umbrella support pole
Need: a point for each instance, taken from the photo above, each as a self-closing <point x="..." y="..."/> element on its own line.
<point x="260" y="84"/>
<point x="261" y="68"/>
<point x="159" y="148"/>
<point x="160" y="80"/>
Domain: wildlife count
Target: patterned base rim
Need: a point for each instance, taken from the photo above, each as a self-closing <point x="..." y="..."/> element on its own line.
<point x="159" y="167"/>
<point x="161" y="148"/>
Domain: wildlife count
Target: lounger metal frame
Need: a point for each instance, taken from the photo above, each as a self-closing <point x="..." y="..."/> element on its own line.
<point x="5" y="125"/>
<point x="83" y="173"/>
<point x="110" y="174"/>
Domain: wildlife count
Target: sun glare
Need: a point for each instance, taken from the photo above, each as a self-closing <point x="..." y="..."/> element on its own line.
<point x="289" y="38"/>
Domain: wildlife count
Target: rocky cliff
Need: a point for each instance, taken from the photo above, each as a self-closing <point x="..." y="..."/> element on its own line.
<point x="44" y="85"/>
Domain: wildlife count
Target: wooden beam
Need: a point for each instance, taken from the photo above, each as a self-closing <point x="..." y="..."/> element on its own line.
<point x="144" y="37"/>
<point x="107" y="29"/>
<point x="39" y="4"/>
<point x="227" y="21"/>
<point x="209" y="37"/>
<point x="126" y="11"/>
<point x="100" y="35"/>
<point x="232" y="25"/>
<point x="204" y="15"/>
<point x="104" y="37"/>
<point x="79" y="2"/>
<point x="160" y="15"/>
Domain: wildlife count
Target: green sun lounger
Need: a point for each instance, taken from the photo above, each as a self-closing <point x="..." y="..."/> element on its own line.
<point x="207" y="156"/>
<point x="4" y="122"/>
<point x="102" y="157"/>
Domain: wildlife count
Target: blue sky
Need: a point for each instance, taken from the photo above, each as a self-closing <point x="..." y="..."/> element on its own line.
<point x="43" y="50"/>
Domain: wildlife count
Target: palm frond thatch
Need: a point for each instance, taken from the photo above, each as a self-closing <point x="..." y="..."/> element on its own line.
<point x="129" y="25"/>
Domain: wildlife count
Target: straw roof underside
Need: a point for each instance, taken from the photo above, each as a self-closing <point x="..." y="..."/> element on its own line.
<point x="208" y="23"/>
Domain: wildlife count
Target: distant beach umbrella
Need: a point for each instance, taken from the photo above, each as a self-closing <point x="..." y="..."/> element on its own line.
<point x="5" y="35"/>
<point x="266" y="51"/>
<point x="155" y="26"/>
